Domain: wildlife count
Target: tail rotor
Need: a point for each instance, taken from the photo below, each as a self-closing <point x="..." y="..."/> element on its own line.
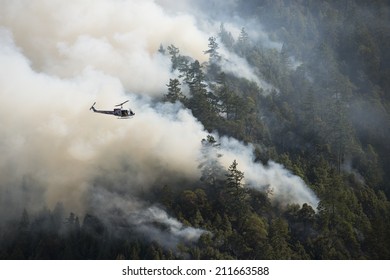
<point x="92" y="108"/>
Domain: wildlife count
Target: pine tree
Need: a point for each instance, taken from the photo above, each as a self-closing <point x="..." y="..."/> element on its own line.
<point x="279" y="240"/>
<point x="243" y="43"/>
<point x="200" y="101"/>
<point x="226" y="37"/>
<point x="211" y="168"/>
<point x="234" y="178"/>
<point x="236" y="194"/>
<point x="225" y="97"/>
<point x="195" y="79"/>
<point x="174" y="92"/>
<point x="213" y="51"/>
<point x="161" y="50"/>
<point x="174" y="53"/>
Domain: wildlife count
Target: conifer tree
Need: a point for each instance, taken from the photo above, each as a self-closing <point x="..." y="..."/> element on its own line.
<point x="226" y="37"/>
<point x="174" y="53"/>
<point x="236" y="194"/>
<point x="243" y="43"/>
<point x="213" y="51"/>
<point x="174" y="92"/>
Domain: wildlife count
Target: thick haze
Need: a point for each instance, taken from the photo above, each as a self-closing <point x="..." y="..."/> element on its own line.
<point x="57" y="58"/>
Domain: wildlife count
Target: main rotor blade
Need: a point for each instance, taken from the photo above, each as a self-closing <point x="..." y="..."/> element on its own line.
<point x="122" y="103"/>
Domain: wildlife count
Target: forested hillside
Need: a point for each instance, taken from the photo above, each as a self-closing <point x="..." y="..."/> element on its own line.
<point x="319" y="105"/>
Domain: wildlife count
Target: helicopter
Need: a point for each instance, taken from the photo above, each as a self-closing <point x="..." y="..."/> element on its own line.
<point x="119" y="112"/>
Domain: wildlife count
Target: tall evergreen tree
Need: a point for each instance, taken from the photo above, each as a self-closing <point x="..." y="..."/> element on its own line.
<point x="243" y="43"/>
<point x="214" y="56"/>
<point x="174" y="92"/>
<point x="236" y="195"/>
<point x="226" y="37"/>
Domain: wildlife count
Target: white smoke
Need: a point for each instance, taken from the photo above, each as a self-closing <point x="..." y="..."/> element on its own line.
<point x="49" y="134"/>
<point x="57" y="58"/>
<point x="149" y="219"/>
<point x="348" y="168"/>
<point x="238" y="66"/>
<point x="284" y="187"/>
<point x="151" y="222"/>
<point x="63" y="38"/>
<point x="294" y="63"/>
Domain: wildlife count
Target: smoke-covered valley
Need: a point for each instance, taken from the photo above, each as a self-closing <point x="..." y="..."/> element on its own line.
<point x="59" y="57"/>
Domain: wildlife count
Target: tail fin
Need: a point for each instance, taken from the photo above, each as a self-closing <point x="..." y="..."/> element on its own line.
<point x="93" y="108"/>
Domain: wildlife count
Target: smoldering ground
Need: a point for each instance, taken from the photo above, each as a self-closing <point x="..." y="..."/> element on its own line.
<point x="57" y="58"/>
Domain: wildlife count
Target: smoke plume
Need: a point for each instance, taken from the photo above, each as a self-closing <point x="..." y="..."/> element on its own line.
<point x="284" y="187"/>
<point x="57" y="58"/>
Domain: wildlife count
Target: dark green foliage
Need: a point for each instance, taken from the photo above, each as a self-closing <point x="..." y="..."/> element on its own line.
<point x="328" y="122"/>
<point x="174" y="92"/>
<point x="235" y="194"/>
<point x="43" y="239"/>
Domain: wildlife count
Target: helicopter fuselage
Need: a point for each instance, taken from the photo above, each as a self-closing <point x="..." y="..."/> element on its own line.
<point x="119" y="112"/>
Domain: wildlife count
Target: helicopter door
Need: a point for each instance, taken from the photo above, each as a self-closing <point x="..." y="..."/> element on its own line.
<point x="125" y="113"/>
